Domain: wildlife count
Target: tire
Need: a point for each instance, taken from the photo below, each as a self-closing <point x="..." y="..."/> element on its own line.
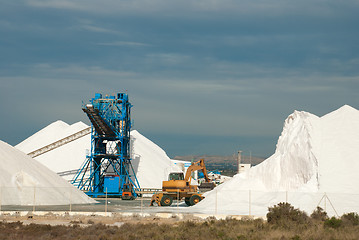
<point x="126" y="197"/>
<point x="187" y="201"/>
<point x="194" y="199"/>
<point x="166" y="200"/>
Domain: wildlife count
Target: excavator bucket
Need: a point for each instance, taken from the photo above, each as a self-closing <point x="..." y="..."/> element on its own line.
<point x="207" y="186"/>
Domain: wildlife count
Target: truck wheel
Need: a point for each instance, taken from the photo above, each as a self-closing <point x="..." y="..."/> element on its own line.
<point x="126" y="197"/>
<point x="187" y="201"/>
<point x="194" y="199"/>
<point x="166" y="200"/>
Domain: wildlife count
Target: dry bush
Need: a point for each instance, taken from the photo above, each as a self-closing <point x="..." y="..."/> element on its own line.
<point x="350" y="219"/>
<point x="319" y="214"/>
<point x="333" y="222"/>
<point x="286" y="216"/>
<point x="245" y="229"/>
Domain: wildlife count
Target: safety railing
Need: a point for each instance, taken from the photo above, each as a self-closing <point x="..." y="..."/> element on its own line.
<point x="217" y="202"/>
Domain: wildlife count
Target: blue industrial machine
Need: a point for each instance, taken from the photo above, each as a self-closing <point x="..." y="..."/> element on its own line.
<point x="108" y="168"/>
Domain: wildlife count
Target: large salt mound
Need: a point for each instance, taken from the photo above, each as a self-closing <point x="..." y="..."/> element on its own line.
<point x="150" y="162"/>
<point x="52" y="133"/>
<point x="24" y="181"/>
<point x="316" y="161"/>
<point x="65" y="158"/>
<point x="339" y="165"/>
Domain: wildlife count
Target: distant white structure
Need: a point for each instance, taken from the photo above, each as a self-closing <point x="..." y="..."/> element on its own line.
<point x="244" y="167"/>
<point x="218" y="178"/>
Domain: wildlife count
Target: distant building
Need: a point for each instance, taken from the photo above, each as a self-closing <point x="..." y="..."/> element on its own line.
<point x="244" y="167"/>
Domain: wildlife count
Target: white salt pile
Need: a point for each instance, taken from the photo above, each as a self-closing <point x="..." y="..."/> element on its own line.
<point x="150" y="162"/>
<point x="24" y="181"/>
<point x="68" y="157"/>
<point x="316" y="162"/>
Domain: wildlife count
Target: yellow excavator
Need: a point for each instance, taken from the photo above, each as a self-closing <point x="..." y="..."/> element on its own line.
<point x="179" y="187"/>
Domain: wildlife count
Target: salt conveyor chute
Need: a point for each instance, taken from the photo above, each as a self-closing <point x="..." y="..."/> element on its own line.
<point x="108" y="168"/>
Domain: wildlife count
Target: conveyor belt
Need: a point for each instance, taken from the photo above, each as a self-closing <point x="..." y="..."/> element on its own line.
<point x="66" y="173"/>
<point x="60" y="142"/>
<point x="98" y="122"/>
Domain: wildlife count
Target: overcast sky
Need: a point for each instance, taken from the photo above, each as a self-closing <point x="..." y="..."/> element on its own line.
<point x="204" y="76"/>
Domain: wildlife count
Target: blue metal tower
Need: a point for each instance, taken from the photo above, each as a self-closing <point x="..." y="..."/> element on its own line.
<point x="108" y="168"/>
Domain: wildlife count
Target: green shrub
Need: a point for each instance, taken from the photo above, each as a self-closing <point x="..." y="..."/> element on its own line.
<point x="333" y="223"/>
<point x="284" y="215"/>
<point x="351" y="219"/>
<point x="319" y="214"/>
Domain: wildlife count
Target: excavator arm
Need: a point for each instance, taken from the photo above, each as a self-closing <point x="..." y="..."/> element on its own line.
<point x="194" y="167"/>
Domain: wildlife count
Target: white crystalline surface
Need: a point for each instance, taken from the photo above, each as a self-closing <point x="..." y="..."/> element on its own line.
<point x="150" y="162"/>
<point x="316" y="162"/>
<point x="64" y="158"/>
<point x="24" y="181"/>
<point x="52" y="133"/>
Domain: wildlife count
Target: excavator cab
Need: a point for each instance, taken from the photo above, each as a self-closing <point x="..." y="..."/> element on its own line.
<point x="176" y="176"/>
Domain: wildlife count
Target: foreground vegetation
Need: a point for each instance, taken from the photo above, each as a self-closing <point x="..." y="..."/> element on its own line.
<point x="284" y="222"/>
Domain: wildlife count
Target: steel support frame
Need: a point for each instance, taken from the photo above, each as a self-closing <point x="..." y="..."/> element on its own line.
<point x="108" y="151"/>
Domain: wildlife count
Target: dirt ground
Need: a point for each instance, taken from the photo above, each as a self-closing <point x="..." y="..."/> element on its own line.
<point x="115" y="213"/>
<point x="54" y="219"/>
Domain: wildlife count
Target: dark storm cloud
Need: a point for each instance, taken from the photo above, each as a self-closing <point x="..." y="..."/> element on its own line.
<point x="225" y="70"/>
